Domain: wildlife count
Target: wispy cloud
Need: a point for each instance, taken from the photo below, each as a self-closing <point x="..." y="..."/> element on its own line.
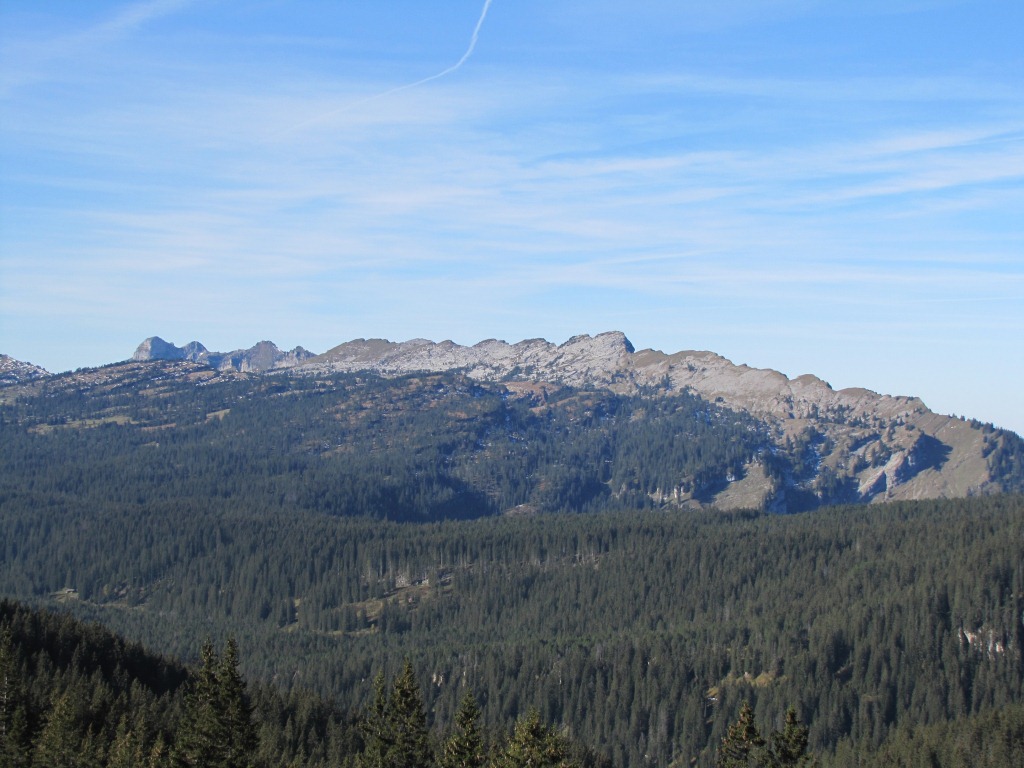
<point x="31" y="61"/>
<point x="527" y="196"/>
<point x="356" y="104"/>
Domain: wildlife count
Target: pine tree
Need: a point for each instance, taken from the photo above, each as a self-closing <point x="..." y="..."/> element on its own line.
<point x="789" y="746"/>
<point x="534" y="745"/>
<point x="13" y="718"/>
<point x="412" y="748"/>
<point x="464" y="748"/>
<point x="742" y="744"/>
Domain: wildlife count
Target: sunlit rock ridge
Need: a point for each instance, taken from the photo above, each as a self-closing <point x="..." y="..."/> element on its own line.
<point x="852" y="445"/>
<point x="264" y="356"/>
<point x="888" y="447"/>
<point x="610" y="361"/>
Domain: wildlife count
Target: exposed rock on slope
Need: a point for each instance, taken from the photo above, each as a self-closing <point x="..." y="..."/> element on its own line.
<point x="264" y="356"/>
<point x="609" y="360"/>
<point x="856" y="445"/>
<point x="18" y="372"/>
<point x="824" y="446"/>
<point x="581" y="361"/>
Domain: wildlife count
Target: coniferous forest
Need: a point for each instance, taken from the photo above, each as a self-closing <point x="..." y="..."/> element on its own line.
<point x="443" y="567"/>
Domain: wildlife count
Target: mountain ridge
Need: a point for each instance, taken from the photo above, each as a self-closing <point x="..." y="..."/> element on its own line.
<point x="607" y="359"/>
<point x="888" y="446"/>
<point x="262" y="356"/>
<point x="14" y="371"/>
<point x="856" y="446"/>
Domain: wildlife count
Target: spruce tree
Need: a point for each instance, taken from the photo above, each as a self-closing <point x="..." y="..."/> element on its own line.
<point x="217" y="730"/>
<point x="464" y="748"/>
<point x="201" y="734"/>
<point x="60" y="742"/>
<point x="235" y="710"/>
<point x="126" y="751"/>
<point x="159" y="754"/>
<point x="376" y="727"/>
<point x="14" y="746"/>
<point x="395" y="729"/>
<point x="742" y="744"/>
<point x="412" y="748"/>
<point x="13" y="718"/>
<point x="534" y="745"/>
<point x="789" y="746"/>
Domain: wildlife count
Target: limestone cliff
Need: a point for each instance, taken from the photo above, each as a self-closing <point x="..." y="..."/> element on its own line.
<point x="858" y="446"/>
<point x="264" y="356"/>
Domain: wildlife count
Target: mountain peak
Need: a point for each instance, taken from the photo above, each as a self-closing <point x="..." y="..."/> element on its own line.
<point x="155" y="348"/>
<point x="875" y="446"/>
<point x="858" y="445"/>
<point x="582" y="360"/>
<point x="262" y="356"/>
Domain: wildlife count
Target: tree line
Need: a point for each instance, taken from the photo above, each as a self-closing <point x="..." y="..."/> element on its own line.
<point x="416" y="448"/>
<point x="641" y="632"/>
<point x="76" y="696"/>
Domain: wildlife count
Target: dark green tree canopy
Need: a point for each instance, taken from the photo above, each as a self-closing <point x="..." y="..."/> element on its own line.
<point x="395" y="730"/>
<point x="465" y="747"/>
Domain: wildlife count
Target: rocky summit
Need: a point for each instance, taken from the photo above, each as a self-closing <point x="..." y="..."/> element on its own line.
<point x="877" y="447"/>
<point x="264" y="356"/>
<point x="814" y="445"/>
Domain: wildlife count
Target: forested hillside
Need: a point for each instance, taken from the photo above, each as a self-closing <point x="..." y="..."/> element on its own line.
<point x="541" y="546"/>
<point x="420" y="447"/>
<point x="416" y="448"/>
<point x="76" y="696"/>
<point x="642" y="632"/>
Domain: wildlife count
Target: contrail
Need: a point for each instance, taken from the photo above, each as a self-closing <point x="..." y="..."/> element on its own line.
<point x="456" y="65"/>
<point x="407" y="86"/>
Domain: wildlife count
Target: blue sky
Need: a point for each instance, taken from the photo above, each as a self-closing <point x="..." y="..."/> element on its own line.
<point x="833" y="188"/>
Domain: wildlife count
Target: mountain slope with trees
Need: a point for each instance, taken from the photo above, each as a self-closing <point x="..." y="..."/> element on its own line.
<point x="549" y="547"/>
<point x="74" y="695"/>
<point x="846" y="446"/>
<point x="442" y="445"/>
<point x="641" y="632"/>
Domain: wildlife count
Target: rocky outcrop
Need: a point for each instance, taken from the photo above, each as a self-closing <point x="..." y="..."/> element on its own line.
<point x="858" y="445"/>
<point x="155" y="348"/>
<point x="14" y="371"/>
<point x="609" y="360"/>
<point x="264" y="356"/>
<point x="824" y="446"/>
<point x="581" y="361"/>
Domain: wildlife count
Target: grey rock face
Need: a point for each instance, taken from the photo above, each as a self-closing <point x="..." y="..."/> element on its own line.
<point x="263" y="356"/>
<point x="860" y="446"/>
<point x="864" y="446"/>
<point x="581" y="361"/>
<point x="155" y="348"/>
